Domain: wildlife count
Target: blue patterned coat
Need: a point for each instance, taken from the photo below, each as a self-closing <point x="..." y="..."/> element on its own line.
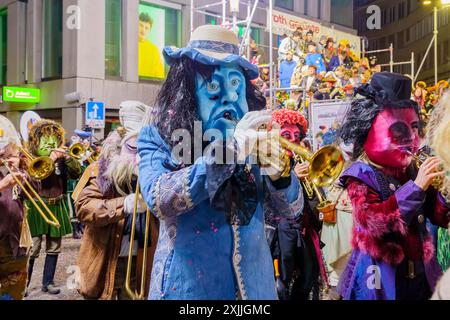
<point x="199" y="254"/>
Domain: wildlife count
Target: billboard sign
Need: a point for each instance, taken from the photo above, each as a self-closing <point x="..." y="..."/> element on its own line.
<point x="17" y="94"/>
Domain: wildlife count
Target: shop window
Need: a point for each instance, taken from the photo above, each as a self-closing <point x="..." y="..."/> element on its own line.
<point x="158" y="27"/>
<point x="285" y="4"/>
<point x="52" y="19"/>
<point x="113" y="38"/>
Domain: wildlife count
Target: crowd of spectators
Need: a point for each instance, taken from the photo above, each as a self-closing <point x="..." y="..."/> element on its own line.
<point x="325" y="70"/>
<point x="322" y="70"/>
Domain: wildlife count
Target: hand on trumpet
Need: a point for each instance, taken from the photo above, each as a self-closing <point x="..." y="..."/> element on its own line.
<point x="428" y="171"/>
<point x="253" y="138"/>
<point x="247" y="132"/>
<point x="302" y="170"/>
<point x="58" y="154"/>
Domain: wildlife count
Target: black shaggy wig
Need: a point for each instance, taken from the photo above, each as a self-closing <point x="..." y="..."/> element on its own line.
<point x="362" y="114"/>
<point x="176" y="105"/>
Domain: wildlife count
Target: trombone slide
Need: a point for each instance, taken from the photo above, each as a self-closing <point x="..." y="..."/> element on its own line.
<point x="31" y="194"/>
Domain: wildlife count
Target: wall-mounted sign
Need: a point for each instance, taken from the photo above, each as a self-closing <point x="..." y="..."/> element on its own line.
<point x="16" y="94"/>
<point x="95" y="114"/>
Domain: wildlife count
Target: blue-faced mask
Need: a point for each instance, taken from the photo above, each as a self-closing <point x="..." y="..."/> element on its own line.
<point x="222" y="100"/>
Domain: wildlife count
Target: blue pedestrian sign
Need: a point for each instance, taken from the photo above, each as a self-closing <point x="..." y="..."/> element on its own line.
<point x="95" y="114"/>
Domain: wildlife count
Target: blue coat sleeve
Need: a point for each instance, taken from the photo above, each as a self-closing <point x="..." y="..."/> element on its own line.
<point x="168" y="192"/>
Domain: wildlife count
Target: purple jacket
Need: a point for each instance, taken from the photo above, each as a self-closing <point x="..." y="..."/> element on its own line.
<point x="371" y="271"/>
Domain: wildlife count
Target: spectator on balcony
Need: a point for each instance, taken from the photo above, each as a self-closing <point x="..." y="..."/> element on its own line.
<point x="290" y="44"/>
<point x="286" y="71"/>
<point x="311" y="82"/>
<point x="341" y="59"/>
<point x="314" y="58"/>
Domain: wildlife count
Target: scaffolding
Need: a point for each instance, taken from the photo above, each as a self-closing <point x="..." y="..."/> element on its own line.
<point x="392" y="62"/>
<point x="252" y="6"/>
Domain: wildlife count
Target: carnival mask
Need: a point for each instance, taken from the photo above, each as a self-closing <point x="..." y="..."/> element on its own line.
<point x="222" y="100"/>
<point x="47" y="144"/>
<point x="292" y="133"/>
<point x="393" y="138"/>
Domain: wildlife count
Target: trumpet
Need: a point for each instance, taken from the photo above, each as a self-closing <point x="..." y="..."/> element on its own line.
<point x="32" y="195"/>
<point x="134" y="293"/>
<point x="325" y="207"/>
<point x="420" y="158"/>
<point x="307" y="186"/>
<point x="326" y="165"/>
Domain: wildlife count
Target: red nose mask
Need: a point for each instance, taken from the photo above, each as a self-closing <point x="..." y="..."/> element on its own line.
<point x="393" y="138"/>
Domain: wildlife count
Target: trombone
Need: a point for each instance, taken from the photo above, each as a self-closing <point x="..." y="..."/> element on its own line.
<point x="134" y="293"/>
<point x="39" y="168"/>
<point x="31" y="195"/>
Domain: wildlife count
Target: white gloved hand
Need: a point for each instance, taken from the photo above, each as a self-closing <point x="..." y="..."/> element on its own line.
<point x="128" y="206"/>
<point x="247" y="135"/>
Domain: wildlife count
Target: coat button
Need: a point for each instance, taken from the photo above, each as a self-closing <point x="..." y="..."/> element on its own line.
<point x="421" y="219"/>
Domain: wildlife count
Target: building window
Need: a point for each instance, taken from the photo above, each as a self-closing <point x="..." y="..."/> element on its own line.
<point x="113" y="38"/>
<point x="319" y="9"/>
<point x="52" y="15"/>
<point x="3" y="44"/>
<point x="286" y="4"/>
<point x="158" y="27"/>
<point x="342" y="12"/>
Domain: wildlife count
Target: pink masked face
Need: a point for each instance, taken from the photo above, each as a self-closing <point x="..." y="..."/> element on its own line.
<point x="393" y="138"/>
<point x="292" y="133"/>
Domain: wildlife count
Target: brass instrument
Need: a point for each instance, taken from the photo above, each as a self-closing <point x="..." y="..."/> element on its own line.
<point x="31" y="195"/>
<point x="421" y="157"/>
<point x="134" y="293"/>
<point x="77" y="151"/>
<point x="39" y="168"/>
<point x="325" y="206"/>
<point x="95" y="155"/>
<point x="305" y="182"/>
<point x="326" y="165"/>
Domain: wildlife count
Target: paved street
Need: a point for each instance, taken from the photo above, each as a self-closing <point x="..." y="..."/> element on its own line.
<point x="65" y="274"/>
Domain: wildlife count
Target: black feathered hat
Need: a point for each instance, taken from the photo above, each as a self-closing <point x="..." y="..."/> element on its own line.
<point x="387" y="88"/>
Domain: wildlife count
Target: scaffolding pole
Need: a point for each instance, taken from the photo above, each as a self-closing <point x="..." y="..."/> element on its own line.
<point x="271" y="54"/>
<point x="247" y="29"/>
<point x="425" y="58"/>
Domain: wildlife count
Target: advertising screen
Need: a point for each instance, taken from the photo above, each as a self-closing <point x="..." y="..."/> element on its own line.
<point x="151" y="41"/>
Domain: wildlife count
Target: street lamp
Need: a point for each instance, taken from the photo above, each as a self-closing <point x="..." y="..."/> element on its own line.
<point x="437" y="4"/>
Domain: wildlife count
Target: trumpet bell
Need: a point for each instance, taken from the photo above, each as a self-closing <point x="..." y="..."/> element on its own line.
<point x="41" y="168"/>
<point x="326" y="166"/>
<point x="94" y="156"/>
<point x="77" y="151"/>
